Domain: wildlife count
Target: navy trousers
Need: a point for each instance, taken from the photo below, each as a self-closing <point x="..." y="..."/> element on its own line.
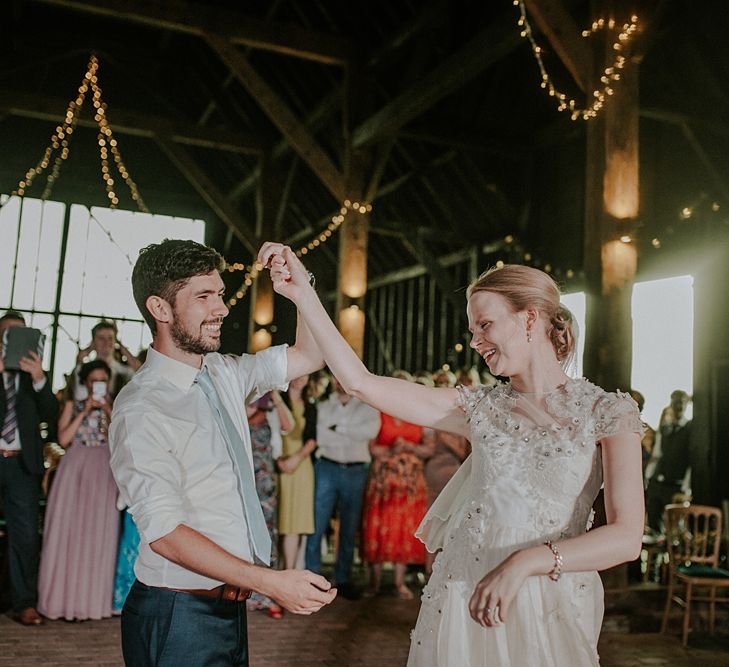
<point x="20" y="494"/>
<point x="162" y="628"/>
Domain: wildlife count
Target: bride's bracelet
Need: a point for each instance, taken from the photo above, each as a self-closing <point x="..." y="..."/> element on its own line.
<point x="556" y="572"/>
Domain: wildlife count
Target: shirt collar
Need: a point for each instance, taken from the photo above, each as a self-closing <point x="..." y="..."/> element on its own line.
<point x="179" y="374"/>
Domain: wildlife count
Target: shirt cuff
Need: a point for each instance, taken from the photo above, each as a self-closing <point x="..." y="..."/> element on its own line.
<point x="38" y="386"/>
<point x="157" y="519"/>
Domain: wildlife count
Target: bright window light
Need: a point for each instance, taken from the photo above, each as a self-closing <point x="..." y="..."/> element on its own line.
<point x="103" y="245"/>
<point x="663" y="325"/>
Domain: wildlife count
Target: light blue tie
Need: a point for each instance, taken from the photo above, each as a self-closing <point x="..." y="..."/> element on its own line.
<point x="257" y="530"/>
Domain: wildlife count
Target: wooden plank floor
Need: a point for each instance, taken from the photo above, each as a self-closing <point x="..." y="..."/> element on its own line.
<point x="372" y="631"/>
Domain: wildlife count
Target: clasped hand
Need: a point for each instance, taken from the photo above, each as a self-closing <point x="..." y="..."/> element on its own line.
<point x="288" y="275"/>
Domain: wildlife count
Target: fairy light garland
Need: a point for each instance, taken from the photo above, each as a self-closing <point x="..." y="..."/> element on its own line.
<point x="608" y="78"/>
<point x="105" y="138"/>
<point x="252" y="271"/>
<point x="516" y="252"/>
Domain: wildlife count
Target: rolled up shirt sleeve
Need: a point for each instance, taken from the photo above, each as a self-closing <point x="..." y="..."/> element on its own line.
<point x="147" y="473"/>
<point x="263" y="371"/>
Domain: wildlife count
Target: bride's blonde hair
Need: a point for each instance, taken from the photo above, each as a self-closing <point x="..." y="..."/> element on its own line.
<point x="525" y="287"/>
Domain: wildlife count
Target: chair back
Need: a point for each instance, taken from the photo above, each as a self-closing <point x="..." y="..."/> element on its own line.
<point x="693" y="534"/>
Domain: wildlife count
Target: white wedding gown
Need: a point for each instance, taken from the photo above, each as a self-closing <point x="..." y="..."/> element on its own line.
<point x="533" y="475"/>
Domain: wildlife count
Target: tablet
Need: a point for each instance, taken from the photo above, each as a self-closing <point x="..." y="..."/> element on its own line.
<point x="17" y="342"/>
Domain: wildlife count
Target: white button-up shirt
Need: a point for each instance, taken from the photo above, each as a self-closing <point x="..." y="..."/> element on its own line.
<point x="171" y="461"/>
<point x="356" y="424"/>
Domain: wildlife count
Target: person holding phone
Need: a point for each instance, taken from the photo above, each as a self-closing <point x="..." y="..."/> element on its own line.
<point x="105" y="345"/>
<point x="82" y="521"/>
<point x="26" y="401"/>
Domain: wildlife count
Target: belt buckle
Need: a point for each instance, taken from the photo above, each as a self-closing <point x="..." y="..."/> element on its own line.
<point x="234" y="593"/>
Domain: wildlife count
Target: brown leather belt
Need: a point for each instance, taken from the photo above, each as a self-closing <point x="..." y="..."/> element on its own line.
<point x="222" y="592"/>
<point x="9" y="453"/>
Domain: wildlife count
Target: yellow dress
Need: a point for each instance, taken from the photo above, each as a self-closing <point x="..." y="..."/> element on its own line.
<point x="296" y="491"/>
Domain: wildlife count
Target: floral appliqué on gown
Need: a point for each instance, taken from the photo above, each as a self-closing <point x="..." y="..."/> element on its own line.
<point x="533" y="475"/>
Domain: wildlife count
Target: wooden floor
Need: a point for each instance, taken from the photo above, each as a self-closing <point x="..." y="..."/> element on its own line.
<point x="372" y="631"/>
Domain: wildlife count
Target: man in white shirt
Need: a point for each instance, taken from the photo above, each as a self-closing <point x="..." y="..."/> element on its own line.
<point x="181" y="455"/>
<point x="344" y="427"/>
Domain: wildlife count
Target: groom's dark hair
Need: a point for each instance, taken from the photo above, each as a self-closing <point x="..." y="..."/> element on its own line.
<point x="163" y="269"/>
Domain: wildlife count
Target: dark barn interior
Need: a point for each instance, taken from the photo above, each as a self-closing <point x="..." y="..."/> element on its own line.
<point x="268" y="119"/>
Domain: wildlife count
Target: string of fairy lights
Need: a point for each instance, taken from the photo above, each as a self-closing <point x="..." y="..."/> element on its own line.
<point x="252" y="271"/>
<point x="61" y="139"/>
<point x="516" y="252"/>
<point x="610" y="75"/>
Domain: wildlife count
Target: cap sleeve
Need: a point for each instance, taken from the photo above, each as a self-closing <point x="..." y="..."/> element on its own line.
<point x="616" y="413"/>
<point x="470" y="397"/>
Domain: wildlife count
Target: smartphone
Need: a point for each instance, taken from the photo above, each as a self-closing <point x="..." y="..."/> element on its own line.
<point x="98" y="391"/>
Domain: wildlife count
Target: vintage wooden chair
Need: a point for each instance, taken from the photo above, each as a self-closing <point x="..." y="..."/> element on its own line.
<point x="693" y="536"/>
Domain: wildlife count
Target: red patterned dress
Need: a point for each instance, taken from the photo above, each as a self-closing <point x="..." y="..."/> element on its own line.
<point x="395" y="501"/>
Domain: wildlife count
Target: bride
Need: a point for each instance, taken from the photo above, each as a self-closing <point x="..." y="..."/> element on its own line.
<point x="516" y="581"/>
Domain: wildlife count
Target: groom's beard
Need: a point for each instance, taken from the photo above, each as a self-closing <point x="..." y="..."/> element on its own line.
<point x="189" y="342"/>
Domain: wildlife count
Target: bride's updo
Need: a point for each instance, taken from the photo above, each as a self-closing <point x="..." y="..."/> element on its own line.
<point x="525" y="287"/>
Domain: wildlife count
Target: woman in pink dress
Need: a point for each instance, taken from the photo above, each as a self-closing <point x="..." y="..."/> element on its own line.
<point x="78" y="560"/>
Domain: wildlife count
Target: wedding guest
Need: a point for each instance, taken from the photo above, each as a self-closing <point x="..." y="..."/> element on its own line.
<point x="26" y="402"/>
<point x="296" y="481"/>
<point x="395" y="500"/>
<point x="82" y="520"/>
<point x="126" y="557"/>
<point x="106" y="346"/>
<point x="669" y="468"/>
<point x="649" y="434"/>
<point x="268" y="419"/>
<point x="345" y="425"/>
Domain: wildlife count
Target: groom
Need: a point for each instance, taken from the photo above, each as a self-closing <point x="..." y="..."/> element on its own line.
<point x="181" y="455"/>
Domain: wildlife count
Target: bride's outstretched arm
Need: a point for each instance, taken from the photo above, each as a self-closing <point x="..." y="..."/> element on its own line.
<point x="437" y="408"/>
<point x="618" y="541"/>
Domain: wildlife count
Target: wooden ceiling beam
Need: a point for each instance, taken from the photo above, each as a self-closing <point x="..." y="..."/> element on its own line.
<point x="209" y="192"/>
<point x="565" y="37"/>
<point x="487" y="47"/>
<point x="281" y="116"/>
<point x="441" y="277"/>
<point x="314" y="121"/>
<point x="53" y="109"/>
<point x="513" y="150"/>
<point x="195" y="18"/>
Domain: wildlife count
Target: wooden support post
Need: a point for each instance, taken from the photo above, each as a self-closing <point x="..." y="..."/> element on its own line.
<point x="261" y="313"/>
<point x="261" y="293"/>
<point x="353" y="236"/>
<point x="612" y="205"/>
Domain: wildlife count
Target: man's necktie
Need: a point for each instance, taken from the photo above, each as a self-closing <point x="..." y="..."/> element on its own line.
<point x="259" y="535"/>
<point x="11" y="419"/>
